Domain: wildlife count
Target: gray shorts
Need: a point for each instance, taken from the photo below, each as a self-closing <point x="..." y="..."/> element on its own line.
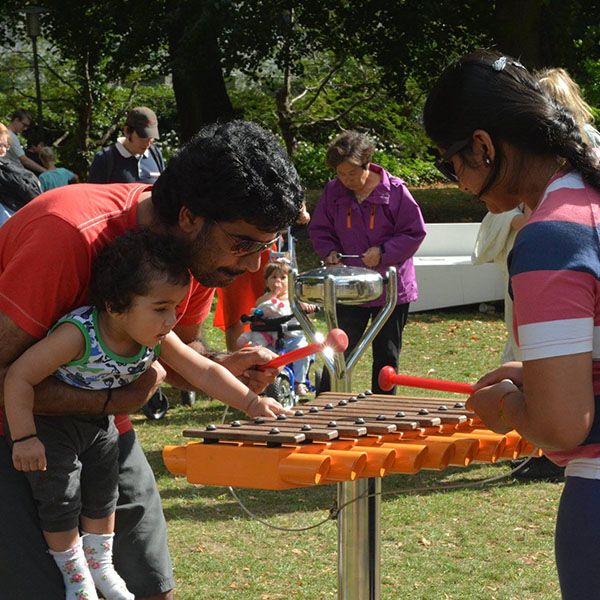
<point x="82" y="473"/>
<point x="28" y="572"/>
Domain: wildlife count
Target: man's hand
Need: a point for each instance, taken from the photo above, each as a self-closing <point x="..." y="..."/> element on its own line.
<point x="29" y="455"/>
<point x="243" y="365"/>
<point x="372" y="257"/>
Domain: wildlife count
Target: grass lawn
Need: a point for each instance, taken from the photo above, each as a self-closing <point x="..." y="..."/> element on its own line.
<point x="490" y="543"/>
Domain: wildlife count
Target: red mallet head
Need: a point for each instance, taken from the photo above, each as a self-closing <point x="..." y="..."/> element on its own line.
<point x="337" y="340"/>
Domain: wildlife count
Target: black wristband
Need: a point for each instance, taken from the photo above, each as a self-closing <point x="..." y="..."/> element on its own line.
<point x="25" y="437"/>
<point x="108" y="399"/>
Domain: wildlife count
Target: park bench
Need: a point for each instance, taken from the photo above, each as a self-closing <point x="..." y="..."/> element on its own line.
<point x="445" y="274"/>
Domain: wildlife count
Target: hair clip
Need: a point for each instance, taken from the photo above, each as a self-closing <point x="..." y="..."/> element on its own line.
<point x="283" y="260"/>
<point x="499" y="64"/>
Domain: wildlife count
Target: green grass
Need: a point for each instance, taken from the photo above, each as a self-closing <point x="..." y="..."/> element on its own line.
<point x="490" y="543"/>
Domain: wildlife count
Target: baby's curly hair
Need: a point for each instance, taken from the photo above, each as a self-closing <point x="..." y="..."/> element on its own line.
<point x="129" y="265"/>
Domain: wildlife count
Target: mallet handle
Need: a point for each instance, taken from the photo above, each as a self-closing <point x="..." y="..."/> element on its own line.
<point x="292" y="356"/>
<point x="388" y="378"/>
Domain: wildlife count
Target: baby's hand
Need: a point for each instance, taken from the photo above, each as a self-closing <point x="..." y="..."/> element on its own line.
<point x="308" y="308"/>
<point x="263" y="406"/>
<point x="29" y="455"/>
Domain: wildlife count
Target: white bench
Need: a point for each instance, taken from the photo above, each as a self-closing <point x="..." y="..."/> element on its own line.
<point x="445" y="274"/>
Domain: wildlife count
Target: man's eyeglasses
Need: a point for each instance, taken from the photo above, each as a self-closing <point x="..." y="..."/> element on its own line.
<point x="444" y="166"/>
<point x="245" y="246"/>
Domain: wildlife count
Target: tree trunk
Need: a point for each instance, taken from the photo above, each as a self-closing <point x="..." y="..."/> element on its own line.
<point x="200" y="92"/>
<point x="85" y="109"/>
<point x="518" y="30"/>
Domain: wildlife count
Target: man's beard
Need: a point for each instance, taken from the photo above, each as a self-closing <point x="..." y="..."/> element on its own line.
<point x="204" y="256"/>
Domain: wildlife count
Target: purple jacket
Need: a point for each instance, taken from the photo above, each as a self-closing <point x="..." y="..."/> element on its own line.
<point x="389" y="217"/>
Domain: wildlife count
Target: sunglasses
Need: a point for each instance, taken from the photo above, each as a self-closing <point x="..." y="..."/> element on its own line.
<point x="444" y="166"/>
<point x="245" y="246"/>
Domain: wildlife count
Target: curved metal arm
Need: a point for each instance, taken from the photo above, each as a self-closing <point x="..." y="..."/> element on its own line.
<point x="382" y="317"/>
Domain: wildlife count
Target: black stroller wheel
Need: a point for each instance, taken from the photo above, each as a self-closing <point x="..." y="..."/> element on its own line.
<point x="156" y="408"/>
<point x="281" y="390"/>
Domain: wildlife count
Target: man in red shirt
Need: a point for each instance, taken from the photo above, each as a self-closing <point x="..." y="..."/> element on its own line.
<point x="228" y="193"/>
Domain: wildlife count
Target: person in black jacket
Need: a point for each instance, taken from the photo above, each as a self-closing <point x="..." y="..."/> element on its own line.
<point x="17" y="185"/>
<point x="134" y="157"/>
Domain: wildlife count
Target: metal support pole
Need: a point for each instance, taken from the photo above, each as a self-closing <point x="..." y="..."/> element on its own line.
<point x="359" y="519"/>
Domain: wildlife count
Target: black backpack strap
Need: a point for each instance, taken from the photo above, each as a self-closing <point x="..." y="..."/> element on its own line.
<point x="157" y="156"/>
<point x="110" y="161"/>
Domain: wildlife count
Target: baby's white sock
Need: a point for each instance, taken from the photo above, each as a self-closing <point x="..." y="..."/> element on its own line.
<point x="98" y="552"/>
<point x="79" y="584"/>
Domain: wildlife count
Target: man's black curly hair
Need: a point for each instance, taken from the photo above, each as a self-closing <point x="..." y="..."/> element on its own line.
<point x="229" y="172"/>
<point x="129" y="265"/>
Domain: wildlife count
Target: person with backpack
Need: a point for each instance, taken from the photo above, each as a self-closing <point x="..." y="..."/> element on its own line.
<point x="133" y="158"/>
<point x="17" y="185"/>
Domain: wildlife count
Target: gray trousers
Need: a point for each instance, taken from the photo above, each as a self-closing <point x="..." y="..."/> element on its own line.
<point x="82" y="473"/>
<point x="141" y="554"/>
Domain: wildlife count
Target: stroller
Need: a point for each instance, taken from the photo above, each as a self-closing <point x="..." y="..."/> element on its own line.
<point x="283" y="388"/>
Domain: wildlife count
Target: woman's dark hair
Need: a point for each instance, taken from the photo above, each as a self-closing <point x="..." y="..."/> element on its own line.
<point x="486" y="90"/>
<point x="228" y="172"/>
<point x="129" y="265"/>
<point x="350" y="146"/>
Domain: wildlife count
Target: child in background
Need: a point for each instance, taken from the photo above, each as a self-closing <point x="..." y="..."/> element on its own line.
<point x="54" y="176"/>
<point x="557" y="84"/>
<point x="138" y="282"/>
<point x="276" y="286"/>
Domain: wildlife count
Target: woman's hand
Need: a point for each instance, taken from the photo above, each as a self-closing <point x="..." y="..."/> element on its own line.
<point x="332" y="258"/>
<point x="29" y="455"/>
<point x="263" y="406"/>
<point x="510" y="370"/>
<point x="372" y="257"/>
<point x="487" y="402"/>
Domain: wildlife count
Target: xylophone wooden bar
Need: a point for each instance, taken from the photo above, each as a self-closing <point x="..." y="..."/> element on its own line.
<point x="340" y="437"/>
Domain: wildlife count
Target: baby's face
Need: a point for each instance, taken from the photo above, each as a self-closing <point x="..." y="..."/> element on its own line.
<point x="277" y="283"/>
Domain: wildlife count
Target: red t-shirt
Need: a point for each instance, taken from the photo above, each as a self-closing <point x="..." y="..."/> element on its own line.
<point x="47" y="249"/>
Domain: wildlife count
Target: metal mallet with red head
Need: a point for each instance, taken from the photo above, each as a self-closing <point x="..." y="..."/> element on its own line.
<point x="388" y="378"/>
<point x="336" y="340"/>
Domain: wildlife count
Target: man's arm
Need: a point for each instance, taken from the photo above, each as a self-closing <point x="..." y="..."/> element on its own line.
<point x="53" y="397"/>
<point x="31" y="164"/>
<point x="242" y="363"/>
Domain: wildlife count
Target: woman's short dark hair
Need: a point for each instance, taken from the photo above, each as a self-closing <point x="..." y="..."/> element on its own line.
<point x="229" y="172"/>
<point x="129" y="265"/>
<point x="350" y="146"/>
<point x="486" y="90"/>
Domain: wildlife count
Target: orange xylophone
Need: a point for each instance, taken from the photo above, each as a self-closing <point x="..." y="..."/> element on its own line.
<point x="341" y="437"/>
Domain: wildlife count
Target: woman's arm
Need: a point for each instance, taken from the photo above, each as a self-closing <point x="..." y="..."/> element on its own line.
<point x="214" y="379"/>
<point x="409" y="230"/>
<point x="555" y="410"/>
<point x="321" y="230"/>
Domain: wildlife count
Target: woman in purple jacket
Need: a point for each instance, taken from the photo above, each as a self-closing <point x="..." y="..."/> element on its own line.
<point x="367" y="211"/>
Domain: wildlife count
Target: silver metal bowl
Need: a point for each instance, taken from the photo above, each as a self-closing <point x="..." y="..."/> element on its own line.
<point x="353" y="285"/>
